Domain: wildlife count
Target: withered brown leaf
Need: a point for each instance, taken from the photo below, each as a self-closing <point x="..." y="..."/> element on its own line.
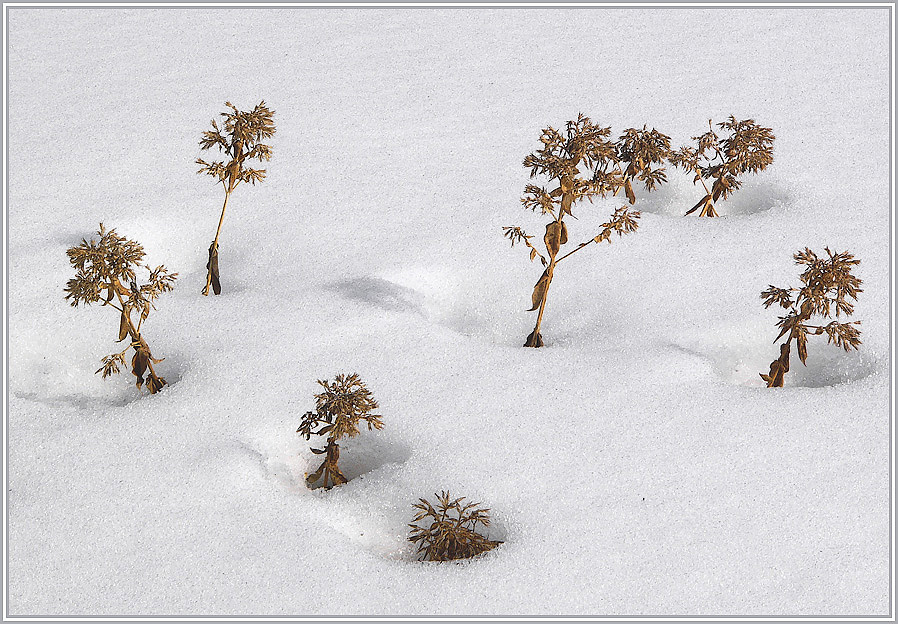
<point x="556" y="235"/>
<point x="212" y="266"/>
<point x="539" y="291"/>
<point x="704" y="200"/>
<point x="628" y="188"/>
<point x="139" y="365"/>
<point x="123" y="325"/>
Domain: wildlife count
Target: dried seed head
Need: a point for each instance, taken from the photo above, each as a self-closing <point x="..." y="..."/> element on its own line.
<point x="240" y="138"/>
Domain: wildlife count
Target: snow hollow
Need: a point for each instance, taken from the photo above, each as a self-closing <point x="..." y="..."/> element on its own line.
<point x="635" y="465"/>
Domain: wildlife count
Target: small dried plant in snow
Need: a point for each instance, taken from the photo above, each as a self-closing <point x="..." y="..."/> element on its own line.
<point x="747" y="149"/>
<point x="104" y="273"/>
<point x="450" y="529"/>
<point x="344" y="403"/>
<point x="827" y="283"/>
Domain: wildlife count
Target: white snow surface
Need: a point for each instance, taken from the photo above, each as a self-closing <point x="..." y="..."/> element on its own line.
<point x="636" y="465"/>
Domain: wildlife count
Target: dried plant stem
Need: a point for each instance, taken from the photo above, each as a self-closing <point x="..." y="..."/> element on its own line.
<point x="575" y="249"/>
<point x="747" y="149"/>
<point x="708" y="207"/>
<point x="535" y="339"/>
<point x="214" y="248"/>
<point x="105" y="273"/>
<point x="238" y="138"/>
<point x="134" y="333"/>
<point x="583" y="144"/>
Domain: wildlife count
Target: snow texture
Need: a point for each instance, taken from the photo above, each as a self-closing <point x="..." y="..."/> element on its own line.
<point x="633" y="466"/>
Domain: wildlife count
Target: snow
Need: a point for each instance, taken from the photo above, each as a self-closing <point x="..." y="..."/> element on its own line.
<point x="633" y="466"/>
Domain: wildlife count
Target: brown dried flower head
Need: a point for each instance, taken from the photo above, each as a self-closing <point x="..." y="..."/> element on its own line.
<point x="640" y="149"/>
<point x="239" y="137"/>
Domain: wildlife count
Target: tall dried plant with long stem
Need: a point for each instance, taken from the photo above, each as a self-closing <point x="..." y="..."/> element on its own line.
<point x="239" y="138"/>
<point x="104" y="273"/>
<point x="748" y="148"/>
<point x="613" y="166"/>
<point x="827" y="283"/>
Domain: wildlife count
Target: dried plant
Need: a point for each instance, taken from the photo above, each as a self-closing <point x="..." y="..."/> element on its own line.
<point x="747" y="149"/>
<point x="613" y="167"/>
<point x="452" y="529"/>
<point x="104" y="272"/>
<point x="826" y="285"/>
<point x="344" y="403"/>
<point x="239" y="137"/>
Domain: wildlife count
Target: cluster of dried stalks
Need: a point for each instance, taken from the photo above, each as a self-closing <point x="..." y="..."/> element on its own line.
<point x="583" y="162"/>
